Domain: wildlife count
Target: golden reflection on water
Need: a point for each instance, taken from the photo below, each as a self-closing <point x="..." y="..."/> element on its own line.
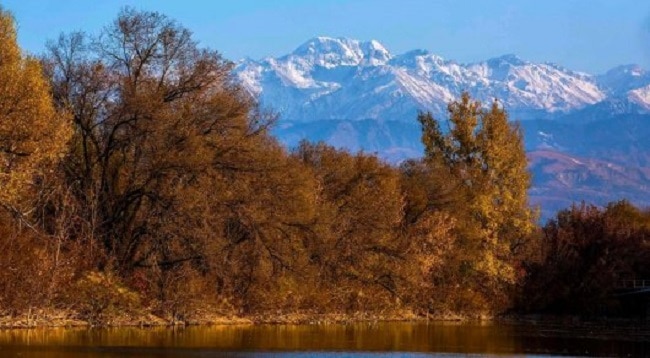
<point x="363" y="336"/>
<point x="367" y="337"/>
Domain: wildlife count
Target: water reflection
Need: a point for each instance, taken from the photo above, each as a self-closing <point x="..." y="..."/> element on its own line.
<point x="363" y="338"/>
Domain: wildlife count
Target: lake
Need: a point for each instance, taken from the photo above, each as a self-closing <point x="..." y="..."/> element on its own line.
<point x="356" y="340"/>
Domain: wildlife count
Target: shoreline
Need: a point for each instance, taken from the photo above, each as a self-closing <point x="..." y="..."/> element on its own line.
<point x="70" y="319"/>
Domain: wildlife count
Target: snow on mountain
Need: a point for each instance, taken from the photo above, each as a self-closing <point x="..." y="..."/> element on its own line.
<point x="524" y="85"/>
<point x="340" y="78"/>
<point x="640" y="97"/>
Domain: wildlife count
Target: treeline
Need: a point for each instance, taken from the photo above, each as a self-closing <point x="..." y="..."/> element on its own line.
<point x="137" y="175"/>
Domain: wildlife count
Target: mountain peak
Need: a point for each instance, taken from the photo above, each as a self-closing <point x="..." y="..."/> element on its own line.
<point x="375" y="53"/>
<point x="419" y="59"/>
<point x="330" y="52"/>
<point x="324" y="44"/>
<point x="376" y="45"/>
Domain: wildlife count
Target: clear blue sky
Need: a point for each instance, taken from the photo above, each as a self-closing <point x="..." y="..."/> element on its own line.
<point x="587" y="35"/>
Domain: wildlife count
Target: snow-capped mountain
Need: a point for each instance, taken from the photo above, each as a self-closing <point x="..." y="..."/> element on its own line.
<point x="339" y="78"/>
<point x="586" y="134"/>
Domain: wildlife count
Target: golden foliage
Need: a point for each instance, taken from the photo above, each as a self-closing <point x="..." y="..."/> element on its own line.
<point x="485" y="158"/>
<point x="33" y="135"/>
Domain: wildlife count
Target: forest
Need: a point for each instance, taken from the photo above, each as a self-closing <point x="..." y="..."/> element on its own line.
<point x="138" y="178"/>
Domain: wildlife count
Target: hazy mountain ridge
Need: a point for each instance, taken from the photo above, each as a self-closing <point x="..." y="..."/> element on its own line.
<point x="586" y="134"/>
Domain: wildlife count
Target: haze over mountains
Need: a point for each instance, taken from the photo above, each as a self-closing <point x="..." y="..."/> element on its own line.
<point x="586" y="134"/>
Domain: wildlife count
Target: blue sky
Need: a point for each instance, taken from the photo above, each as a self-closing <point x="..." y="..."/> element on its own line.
<point x="586" y="35"/>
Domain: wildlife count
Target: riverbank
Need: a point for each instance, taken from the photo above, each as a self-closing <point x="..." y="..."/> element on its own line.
<point x="57" y="318"/>
<point x="54" y="318"/>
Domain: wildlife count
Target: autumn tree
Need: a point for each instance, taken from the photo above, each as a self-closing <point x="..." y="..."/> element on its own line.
<point x="33" y="139"/>
<point x="586" y="252"/>
<point x="485" y="156"/>
<point x="152" y="112"/>
<point x="33" y="134"/>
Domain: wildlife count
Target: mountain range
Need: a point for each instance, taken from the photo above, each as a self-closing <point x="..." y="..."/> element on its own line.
<point x="585" y="134"/>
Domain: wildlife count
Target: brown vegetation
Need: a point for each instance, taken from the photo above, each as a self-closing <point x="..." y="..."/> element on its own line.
<point x="142" y="180"/>
<point x="585" y="253"/>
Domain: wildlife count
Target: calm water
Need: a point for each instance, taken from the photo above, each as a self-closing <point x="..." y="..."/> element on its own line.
<point x="357" y="340"/>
